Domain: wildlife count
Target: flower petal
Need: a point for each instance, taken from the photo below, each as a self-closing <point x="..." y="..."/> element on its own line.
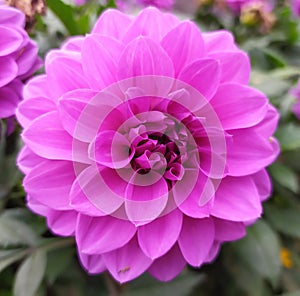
<point x="239" y="106"/>
<point x="11" y="40"/>
<point x="237" y="199"/>
<point x="30" y="109"/>
<point x="112" y="23"/>
<point x="152" y="23"/>
<point x="196" y="239"/>
<point x="184" y="44"/>
<point x="47" y="138"/>
<point x="143" y="56"/>
<point x="235" y="66"/>
<point x="157" y="238"/>
<point x="27" y="160"/>
<point x="263" y="183"/>
<point x="92" y="263"/>
<point x="96" y="235"/>
<point x="228" y="231"/>
<point x="106" y="51"/>
<point x="219" y="41"/>
<point x="50" y="182"/>
<point x="9" y="70"/>
<point x="127" y="262"/>
<point x="168" y="266"/>
<point x="62" y="222"/>
<point x="193" y="75"/>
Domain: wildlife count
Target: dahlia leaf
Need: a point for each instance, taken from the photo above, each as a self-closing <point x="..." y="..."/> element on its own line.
<point x="285" y="176"/>
<point x="260" y="250"/>
<point x="285" y="220"/>
<point x="30" y="275"/>
<point x="289" y="137"/>
<point x="7" y="257"/>
<point x="14" y="232"/>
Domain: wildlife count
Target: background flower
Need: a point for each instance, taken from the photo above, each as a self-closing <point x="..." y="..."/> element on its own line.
<point x="147" y="145"/>
<point x="18" y="59"/>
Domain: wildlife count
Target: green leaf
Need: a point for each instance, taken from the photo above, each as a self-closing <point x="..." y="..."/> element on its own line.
<point x="285" y="176"/>
<point x="286" y="220"/>
<point x="58" y="261"/>
<point x="66" y="15"/>
<point x="289" y="136"/>
<point x="14" y="232"/>
<point x="7" y="257"/>
<point x="30" y="275"/>
<point x="260" y="251"/>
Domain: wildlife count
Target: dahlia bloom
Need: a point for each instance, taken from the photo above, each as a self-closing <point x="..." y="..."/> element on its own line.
<point x="18" y="59"/>
<point x="144" y="141"/>
<point x="296" y="7"/>
<point x="238" y="5"/>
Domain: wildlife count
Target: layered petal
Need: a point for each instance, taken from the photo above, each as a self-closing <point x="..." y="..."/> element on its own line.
<point x="97" y="235"/>
<point x="196" y="239"/>
<point x="127" y="262"/>
<point x="158" y="237"/>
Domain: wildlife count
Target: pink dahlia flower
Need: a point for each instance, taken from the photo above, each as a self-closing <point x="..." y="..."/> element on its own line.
<point x="144" y="141"/>
<point x="296" y="7"/>
<point x="237" y="5"/>
<point x="18" y="59"/>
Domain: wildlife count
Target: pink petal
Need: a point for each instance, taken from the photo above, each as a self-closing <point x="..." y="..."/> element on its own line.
<point x="96" y="235"/>
<point x="62" y="222"/>
<point x="228" y="230"/>
<point x="11" y="40"/>
<point x="92" y="263"/>
<point x="248" y="151"/>
<point x="10" y="15"/>
<point x="263" y="184"/>
<point x="152" y="23"/>
<point x="127" y="262"/>
<point x="37" y="87"/>
<point x="239" y="106"/>
<point x="110" y="149"/>
<point x="73" y="43"/>
<point x="184" y="44"/>
<point x="144" y="203"/>
<point x="9" y="100"/>
<point x="219" y="41"/>
<point x="30" y="109"/>
<point x="143" y="56"/>
<point x="9" y="70"/>
<point x="213" y="252"/>
<point x="157" y="237"/>
<point x="47" y="138"/>
<point x="27" y="160"/>
<point x="90" y="185"/>
<point x="193" y="75"/>
<point x="64" y="72"/>
<point x="196" y="239"/>
<point x="235" y="66"/>
<point x="168" y="266"/>
<point x="112" y="23"/>
<point x="106" y="51"/>
<point x="37" y="207"/>
<point x="237" y="199"/>
<point x="50" y="182"/>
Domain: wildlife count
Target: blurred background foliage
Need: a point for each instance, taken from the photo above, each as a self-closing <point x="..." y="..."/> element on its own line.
<point x="266" y="262"/>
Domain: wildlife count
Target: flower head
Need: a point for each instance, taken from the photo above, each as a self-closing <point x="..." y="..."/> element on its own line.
<point x="18" y="59"/>
<point x="145" y="142"/>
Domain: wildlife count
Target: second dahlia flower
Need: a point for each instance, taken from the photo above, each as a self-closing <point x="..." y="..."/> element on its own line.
<point x="144" y="141"/>
<point x="18" y="59"/>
